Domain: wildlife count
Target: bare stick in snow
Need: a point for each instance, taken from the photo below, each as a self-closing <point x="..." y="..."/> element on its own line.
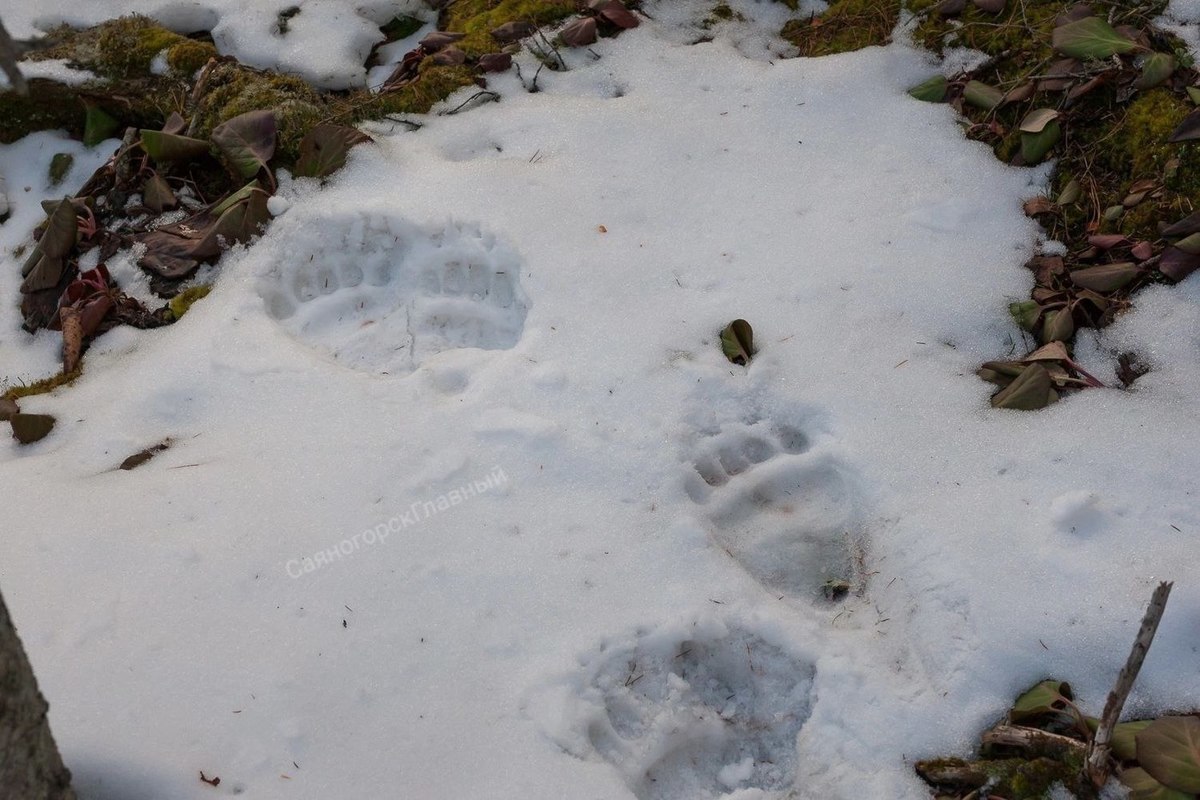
<point x="1096" y="766"/>
<point x="8" y="62"/>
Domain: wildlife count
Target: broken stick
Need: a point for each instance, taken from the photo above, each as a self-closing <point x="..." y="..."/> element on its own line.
<point x="1097" y="764"/>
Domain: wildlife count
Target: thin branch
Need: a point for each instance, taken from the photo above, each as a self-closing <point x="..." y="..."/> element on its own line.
<point x="8" y="62"/>
<point x="1097" y="765"/>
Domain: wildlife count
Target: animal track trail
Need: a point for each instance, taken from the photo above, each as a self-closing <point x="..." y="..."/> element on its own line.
<point x="382" y="294"/>
<point x="784" y="509"/>
<point x="697" y="714"/>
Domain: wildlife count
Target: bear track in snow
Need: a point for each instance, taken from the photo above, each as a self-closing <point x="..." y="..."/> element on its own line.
<point x="382" y="294"/>
<point x="783" y="508"/>
<point x="691" y="713"/>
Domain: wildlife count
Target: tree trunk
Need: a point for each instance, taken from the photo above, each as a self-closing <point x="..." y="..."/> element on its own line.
<point x="30" y="766"/>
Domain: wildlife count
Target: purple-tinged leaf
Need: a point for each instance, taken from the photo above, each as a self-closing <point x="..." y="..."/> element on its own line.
<point x="1177" y="265"/>
<point x="513" y="31"/>
<point x="157" y="195"/>
<point x="614" y="11"/>
<point x="990" y="6"/>
<point x="1106" y="277"/>
<point x="438" y="39"/>
<point x="248" y="141"/>
<point x="1185" y="227"/>
<point x="175" y="124"/>
<point x="1188" y="129"/>
<point x="449" y="56"/>
<point x="1106" y="241"/>
<point x="579" y="33"/>
<point x="495" y="62"/>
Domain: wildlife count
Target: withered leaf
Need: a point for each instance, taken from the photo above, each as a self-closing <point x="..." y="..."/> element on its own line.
<point x="737" y="342"/>
<point x="579" y="33"/>
<point x="324" y="149"/>
<point x="1106" y="277"/>
<point x="436" y="40"/>
<point x="142" y="456"/>
<point x="1185" y="227"/>
<point x="247" y="141"/>
<point x="1106" y="241"/>
<point x="495" y="62"/>
<point x="1188" y="130"/>
<point x="1031" y="390"/>
<point x="1058" y="325"/>
<point x="166" y="147"/>
<point x="615" y="12"/>
<point x="157" y="195"/>
<point x="29" y="428"/>
<point x="8" y="408"/>
<point x="513" y="31"/>
<point x="449" y="56"/>
<point x="990" y="6"/>
<point x="1177" y="265"/>
<point x="1038" y="205"/>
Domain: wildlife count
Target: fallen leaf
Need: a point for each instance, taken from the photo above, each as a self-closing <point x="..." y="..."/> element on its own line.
<point x="324" y="149"/>
<point x="930" y="91"/>
<point x="8" y="408"/>
<point x="436" y="40"/>
<point x="513" y="31"/>
<point x="1089" y="38"/>
<point x="1177" y="265"/>
<point x="615" y="12"/>
<point x="579" y="33"/>
<point x="737" y="342"/>
<point x="167" y="147"/>
<point x="247" y="141"/>
<point x="1029" y="391"/>
<point x="29" y="428"/>
<point x="1106" y="277"/>
<point x="1188" y="130"/>
<point x="495" y="62"/>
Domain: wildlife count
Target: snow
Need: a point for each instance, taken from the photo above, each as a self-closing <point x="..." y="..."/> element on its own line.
<point x="533" y="289"/>
<point x="327" y="41"/>
<point x="53" y="69"/>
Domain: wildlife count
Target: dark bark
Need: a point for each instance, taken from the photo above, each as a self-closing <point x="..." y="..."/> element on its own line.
<point x="30" y="766"/>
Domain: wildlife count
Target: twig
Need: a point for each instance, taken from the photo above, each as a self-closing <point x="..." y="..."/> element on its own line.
<point x="1033" y="743"/>
<point x="1097" y="764"/>
<point x="485" y="94"/>
<point x="8" y="62"/>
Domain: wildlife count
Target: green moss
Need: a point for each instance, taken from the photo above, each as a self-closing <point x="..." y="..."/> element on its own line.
<point x="721" y="12"/>
<point x="43" y="386"/>
<point x="235" y="90"/>
<point x="128" y="45"/>
<point x="847" y="25"/>
<point x="436" y="84"/>
<point x="477" y="18"/>
<point x="190" y="55"/>
<point x="48" y="105"/>
<point x="181" y="302"/>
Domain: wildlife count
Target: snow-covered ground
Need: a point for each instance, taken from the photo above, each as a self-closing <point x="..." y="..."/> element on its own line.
<point x="464" y="501"/>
